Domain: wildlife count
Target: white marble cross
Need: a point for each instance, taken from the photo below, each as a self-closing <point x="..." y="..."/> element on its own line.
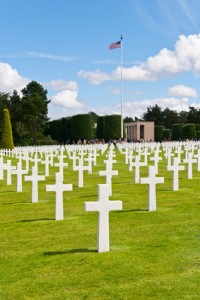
<point x="9" y="168"/>
<point x="197" y="156"/>
<point x="103" y="206"/>
<point x="36" y="160"/>
<point x="89" y="159"/>
<point x="145" y="153"/>
<point x="2" y="168"/>
<point x="110" y="160"/>
<point x="59" y="188"/>
<point x="27" y="161"/>
<point x="179" y="151"/>
<point x="175" y="168"/>
<point x="152" y="180"/>
<point x="108" y="173"/>
<point x="74" y="158"/>
<point x="61" y="164"/>
<point x="47" y="162"/>
<point x="80" y="168"/>
<point x="34" y="178"/>
<point x="19" y="172"/>
<point x="127" y="151"/>
<point x="168" y="154"/>
<point x="190" y="160"/>
<point x="156" y="158"/>
<point x="94" y="156"/>
<point x="137" y="164"/>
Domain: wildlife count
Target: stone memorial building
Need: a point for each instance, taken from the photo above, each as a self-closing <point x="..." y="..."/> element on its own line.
<point x="139" y="131"/>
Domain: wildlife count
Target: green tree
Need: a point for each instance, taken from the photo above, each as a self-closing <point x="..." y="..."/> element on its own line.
<point x="34" y="111"/>
<point x="4" y="103"/>
<point x="182" y="117"/>
<point x="154" y="114"/>
<point x="170" y="117"/>
<point x="7" y="137"/>
<point x="16" y="117"/>
<point x="128" y="120"/>
<point x="193" y="115"/>
<point x="94" y="117"/>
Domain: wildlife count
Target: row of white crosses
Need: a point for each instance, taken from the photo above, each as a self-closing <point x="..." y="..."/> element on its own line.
<point x="175" y="167"/>
<point x="103" y="204"/>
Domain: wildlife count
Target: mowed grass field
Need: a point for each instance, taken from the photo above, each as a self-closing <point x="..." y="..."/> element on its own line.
<point x="153" y="255"/>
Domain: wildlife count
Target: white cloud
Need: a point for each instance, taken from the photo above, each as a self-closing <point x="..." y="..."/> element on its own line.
<point x="114" y="91"/>
<point x="51" y="56"/>
<point x="59" y="85"/>
<point x="183" y="91"/>
<point x="138" y="108"/>
<point x="10" y="79"/>
<point x="95" y="77"/>
<point x="66" y="98"/>
<point x="190" y="13"/>
<point x="165" y="62"/>
<point x="185" y="57"/>
<point x="67" y="94"/>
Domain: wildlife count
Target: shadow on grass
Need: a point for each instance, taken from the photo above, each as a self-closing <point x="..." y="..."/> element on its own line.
<point x="36" y="220"/>
<point x="15" y="203"/>
<point x="130" y="210"/>
<point x="71" y="251"/>
<point x="6" y="192"/>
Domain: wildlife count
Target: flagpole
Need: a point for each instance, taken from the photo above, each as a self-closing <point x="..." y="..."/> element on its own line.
<point x="122" y="91"/>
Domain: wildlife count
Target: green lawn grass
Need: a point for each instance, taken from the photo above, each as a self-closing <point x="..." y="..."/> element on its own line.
<point x="153" y="255"/>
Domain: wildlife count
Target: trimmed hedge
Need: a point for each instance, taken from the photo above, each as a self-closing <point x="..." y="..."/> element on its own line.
<point x="109" y="127"/>
<point x="7" y="136"/>
<point x="100" y="127"/>
<point x="189" y="132"/>
<point x="166" y="134"/>
<point x="81" y="127"/>
<point x="158" y="133"/>
<point x="177" y="132"/>
<point x="112" y="128"/>
<point x="197" y="127"/>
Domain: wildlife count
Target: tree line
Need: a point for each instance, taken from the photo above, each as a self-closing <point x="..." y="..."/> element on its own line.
<point x="28" y="113"/>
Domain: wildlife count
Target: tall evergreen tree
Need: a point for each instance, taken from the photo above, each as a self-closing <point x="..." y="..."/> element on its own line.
<point x="155" y="114"/>
<point x="34" y="111"/>
<point x="4" y="103"/>
<point x="7" y="137"/>
<point x="16" y="117"/>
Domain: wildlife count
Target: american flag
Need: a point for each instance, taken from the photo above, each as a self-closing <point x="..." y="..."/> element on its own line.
<point x="115" y="45"/>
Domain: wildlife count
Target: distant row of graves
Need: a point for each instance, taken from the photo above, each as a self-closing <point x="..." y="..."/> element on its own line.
<point x="24" y="163"/>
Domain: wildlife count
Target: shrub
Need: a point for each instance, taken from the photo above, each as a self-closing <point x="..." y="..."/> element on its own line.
<point x="7" y="136"/>
<point x="166" y="134"/>
<point x="112" y="129"/>
<point x="81" y="127"/>
<point x="100" y="127"/>
<point x="189" y="132"/>
<point x="158" y="133"/>
<point x="177" y="132"/>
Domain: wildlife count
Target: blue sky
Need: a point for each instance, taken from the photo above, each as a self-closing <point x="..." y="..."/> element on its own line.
<point x="64" y="45"/>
